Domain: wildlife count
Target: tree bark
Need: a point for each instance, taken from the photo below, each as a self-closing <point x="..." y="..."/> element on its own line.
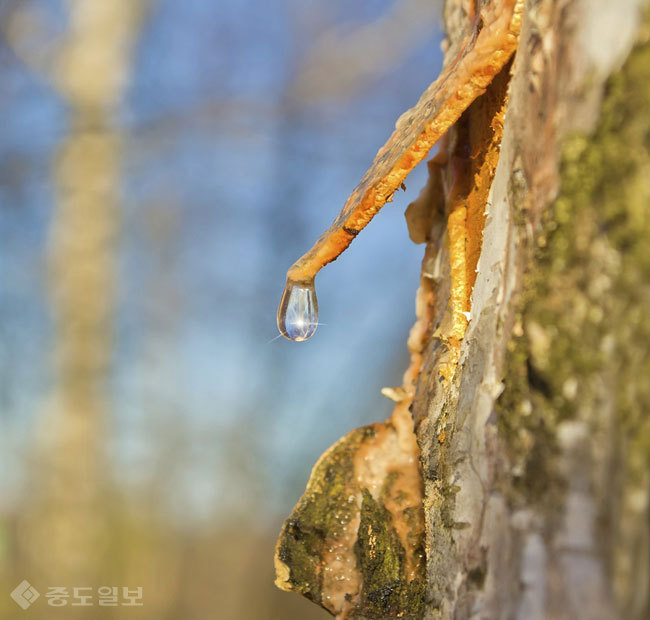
<point x="536" y="457"/>
<point x="527" y="386"/>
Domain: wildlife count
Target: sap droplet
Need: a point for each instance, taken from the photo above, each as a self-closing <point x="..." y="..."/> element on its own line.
<point x="298" y="312"/>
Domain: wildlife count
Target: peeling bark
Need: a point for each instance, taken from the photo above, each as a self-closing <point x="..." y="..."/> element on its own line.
<point x="528" y="382"/>
<point x="536" y="501"/>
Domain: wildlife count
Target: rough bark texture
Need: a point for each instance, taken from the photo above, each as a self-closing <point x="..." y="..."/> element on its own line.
<point x="536" y="461"/>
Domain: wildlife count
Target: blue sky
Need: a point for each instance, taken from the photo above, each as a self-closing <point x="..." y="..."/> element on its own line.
<point x="227" y="180"/>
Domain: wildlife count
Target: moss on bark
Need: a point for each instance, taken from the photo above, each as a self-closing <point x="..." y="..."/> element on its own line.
<point x="386" y="591"/>
<point x="580" y="349"/>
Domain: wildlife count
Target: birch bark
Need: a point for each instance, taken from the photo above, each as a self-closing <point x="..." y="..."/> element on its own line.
<point x="536" y="461"/>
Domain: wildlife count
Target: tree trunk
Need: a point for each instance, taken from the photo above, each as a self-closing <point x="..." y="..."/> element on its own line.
<point x="536" y="458"/>
<point x="63" y="527"/>
<point x="528" y="383"/>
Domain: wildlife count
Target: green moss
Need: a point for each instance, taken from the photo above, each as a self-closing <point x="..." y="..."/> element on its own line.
<point x="326" y="508"/>
<point x="321" y="513"/>
<point x="386" y="592"/>
<point x="378" y="548"/>
<point x="584" y="319"/>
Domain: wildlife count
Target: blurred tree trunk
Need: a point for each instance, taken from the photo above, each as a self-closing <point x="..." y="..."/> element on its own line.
<point x="537" y="460"/>
<point x="64" y="532"/>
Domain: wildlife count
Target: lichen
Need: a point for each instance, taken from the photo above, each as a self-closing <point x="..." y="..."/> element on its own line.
<point x="583" y="329"/>
<point x="386" y="592"/>
<point x="354" y="544"/>
<point x="320" y="514"/>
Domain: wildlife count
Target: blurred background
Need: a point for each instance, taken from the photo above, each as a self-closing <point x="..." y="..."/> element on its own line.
<point x="162" y="164"/>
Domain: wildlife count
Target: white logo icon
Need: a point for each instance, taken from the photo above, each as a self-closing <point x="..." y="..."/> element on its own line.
<point x="25" y="594"/>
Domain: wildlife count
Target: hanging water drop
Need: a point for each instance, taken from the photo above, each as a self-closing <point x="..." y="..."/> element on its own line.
<point x="298" y="312"/>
